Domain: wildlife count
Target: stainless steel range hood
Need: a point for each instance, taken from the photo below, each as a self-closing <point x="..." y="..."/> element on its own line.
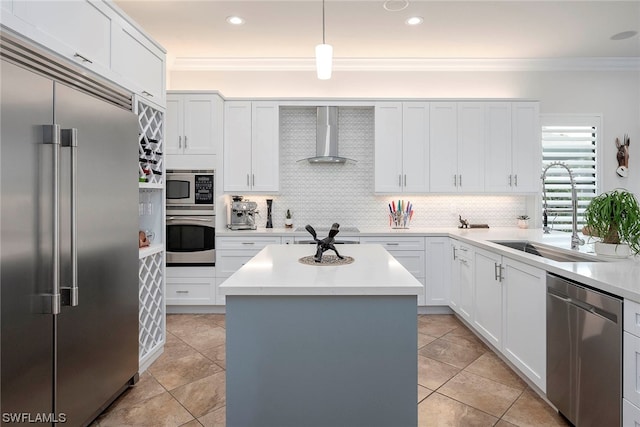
<point x="327" y="137"/>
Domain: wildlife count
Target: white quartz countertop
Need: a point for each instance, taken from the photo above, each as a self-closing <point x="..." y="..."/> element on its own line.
<point x="619" y="277"/>
<point x="275" y="270"/>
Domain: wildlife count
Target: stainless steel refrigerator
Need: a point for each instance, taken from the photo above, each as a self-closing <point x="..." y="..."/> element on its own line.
<point x="68" y="246"/>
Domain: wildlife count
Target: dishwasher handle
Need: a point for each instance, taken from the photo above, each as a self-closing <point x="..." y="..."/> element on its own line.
<point x="583" y="305"/>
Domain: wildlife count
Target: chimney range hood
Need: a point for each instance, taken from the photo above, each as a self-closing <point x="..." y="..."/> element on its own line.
<point x="327" y="137"/>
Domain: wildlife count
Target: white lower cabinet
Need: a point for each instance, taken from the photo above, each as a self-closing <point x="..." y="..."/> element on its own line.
<point x="191" y="286"/>
<point x="438" y="270"/>
<point x="461" y="292"/>
<point x="487" y="316"/>
<point x="630" y="414"/>
<point x="509" y="310"/>
<point x="408" y="251"/>
<point x="525" y="319"/>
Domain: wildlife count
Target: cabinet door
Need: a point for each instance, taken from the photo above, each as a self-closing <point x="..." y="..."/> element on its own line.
<point x="139" y="61"/>
<point x="454" y="292"/>
<point x="497" y="158"/>
<point x="415" y="147"/>
<point x="466" y="288"/>
<point x="199" y="124"/>
<point x="388" y="147"/>
<point x="487" y="315"/>
<point x="527" y="147"/>
<point x="438" y="270"/>
<point x="265" y="146"/>
<point x="443" y="147"/>
<point x="471" y="124"/>
<point x="237" y="146"/>
<point x="525" y="320"/>
<point x="174" y="124"/>
<point x="80" y="30"/>
<point x="630" y="414"/>
<point x="631" y="368"/>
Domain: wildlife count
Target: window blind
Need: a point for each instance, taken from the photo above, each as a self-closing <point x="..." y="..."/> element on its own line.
<point x="576" y="146"/>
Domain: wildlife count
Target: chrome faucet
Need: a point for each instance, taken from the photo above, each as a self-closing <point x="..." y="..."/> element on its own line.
<point x="575" y="240"/>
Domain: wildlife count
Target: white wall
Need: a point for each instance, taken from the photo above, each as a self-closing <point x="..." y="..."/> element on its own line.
<point x="614" y="94"/>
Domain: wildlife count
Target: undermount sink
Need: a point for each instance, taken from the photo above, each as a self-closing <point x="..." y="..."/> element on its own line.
<point x="546" y="251"/>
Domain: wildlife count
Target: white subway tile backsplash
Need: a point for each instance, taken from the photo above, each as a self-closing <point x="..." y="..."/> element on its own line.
<point x="320" y="194"/>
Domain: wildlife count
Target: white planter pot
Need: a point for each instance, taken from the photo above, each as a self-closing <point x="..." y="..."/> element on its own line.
<point x="610" y="250"/>
<point x="523" y="223"/>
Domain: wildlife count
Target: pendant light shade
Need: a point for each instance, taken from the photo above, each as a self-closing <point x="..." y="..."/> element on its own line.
<point x="324" y="55"/>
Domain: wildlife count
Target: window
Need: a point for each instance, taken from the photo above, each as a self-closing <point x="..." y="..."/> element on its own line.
<point x="573" y="141"/>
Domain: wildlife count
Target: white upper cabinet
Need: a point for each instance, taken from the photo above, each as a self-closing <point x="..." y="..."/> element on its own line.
<point x="402" y="147"/>
<point x="139" y="61"/>
<point x="513" y="155"/>
<point x="443" y="147"/>
<point x="457" y="144"/>
<point x="78" y="30"/>
<point x="191" y="123"/>
<point x="96" y="35"/>
<point x="527" y="147"/>
<point x="251" y="146"/>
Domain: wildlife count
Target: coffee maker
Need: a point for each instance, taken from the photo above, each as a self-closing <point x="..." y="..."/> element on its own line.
<point x="242" y="215"/>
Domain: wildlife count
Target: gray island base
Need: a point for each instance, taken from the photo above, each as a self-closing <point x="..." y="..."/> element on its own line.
<point x="331" y="351"/>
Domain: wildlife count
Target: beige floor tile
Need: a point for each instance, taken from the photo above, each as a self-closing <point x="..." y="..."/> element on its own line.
<point x="423" y="392"/>
<point x="531" y="410"/>
<point x="174" y="348"/>
<point x="202" y="396"/>
<point x="503" y="423"/>
<point x="463" y="337"/>
<point x="181" y="323"/>
<point x="160" y="410"/>
<point x="491" y="366"/>
<point x="184" y="370"/>
<point x="217" y="354"/>
<point x="434" y="329"/>
<point x="440" y="411"/>
<point x="192" y="423"/>
<point x="219" y="319"/>
<point x="452" y="353"/>
<point x="216" y="418"/>
<point x="445" y="319"/>
<point x="424" y="339"/>
<point x="481" y="393"/>
<point x="144" y="389"/>
<point x="204" y="336"/>
<point x="432" y="374"/>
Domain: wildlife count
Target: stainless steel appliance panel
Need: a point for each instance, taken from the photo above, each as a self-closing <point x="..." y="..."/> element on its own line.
<point x="25" y="242"/>
<point x="190" y="188"/>
<point x="191" y="240"/>
<point x="98" y="339"/>
<point x="584" y="353"/>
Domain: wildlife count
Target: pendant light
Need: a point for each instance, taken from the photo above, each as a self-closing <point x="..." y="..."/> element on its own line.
<point x="324" y="54"/>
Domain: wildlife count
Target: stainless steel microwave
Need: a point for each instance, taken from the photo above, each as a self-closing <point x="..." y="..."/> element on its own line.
<point x="190" y="188"/>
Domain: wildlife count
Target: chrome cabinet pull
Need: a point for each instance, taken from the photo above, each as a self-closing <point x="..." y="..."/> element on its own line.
<point x="182" y="292"/>
<point x="405" y="179"/>
<point x="509" y="180"/>
<point x="185" y="141"/>
<point x="148" y="94"/>
<point x="460" y="180"/>
<point x="248" y="243"/>
<point x="498" y="272"/>
<point x="455" y="180"/>
<point x="516" y="180"/>
<point x="179" y="142"/>
<point x="399" y="180"/>
<point x="454" y="252"/>
<point x="83" y="58"/>
<point x="248" y="180"/>
<point x="392" y="243"/>
<point x="69" y="138"/>
<point x="51" y="302"/>
<point x="253" y="180"/>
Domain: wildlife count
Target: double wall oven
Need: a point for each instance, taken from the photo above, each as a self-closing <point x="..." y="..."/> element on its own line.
<point x="191" y="224"/>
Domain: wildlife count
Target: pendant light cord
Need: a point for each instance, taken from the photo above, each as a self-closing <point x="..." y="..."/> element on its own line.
<point x="323" y="22"/>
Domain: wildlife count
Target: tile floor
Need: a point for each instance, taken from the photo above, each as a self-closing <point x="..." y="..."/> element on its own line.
<point x="461" y="382"/>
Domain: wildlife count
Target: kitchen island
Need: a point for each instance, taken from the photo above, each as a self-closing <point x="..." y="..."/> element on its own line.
<point x="319" y="345"/>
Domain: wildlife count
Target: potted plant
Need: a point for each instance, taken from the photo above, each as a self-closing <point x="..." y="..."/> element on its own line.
<point x="288" y="222"/>
<point x="614" y="219"/>
<point x="523" y="221"/>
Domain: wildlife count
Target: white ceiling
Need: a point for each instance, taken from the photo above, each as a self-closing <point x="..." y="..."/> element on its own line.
<point x="281" y="31"/>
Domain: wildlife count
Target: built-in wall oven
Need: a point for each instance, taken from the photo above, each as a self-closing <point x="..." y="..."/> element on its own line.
<point x="191" y="225"/>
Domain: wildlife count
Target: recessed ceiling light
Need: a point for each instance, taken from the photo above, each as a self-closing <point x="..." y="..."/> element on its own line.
<point x="395" y="5"/>
<point x="624" y="35"/>
<point x="414" y="20"/>
<point x="235" y="20"/>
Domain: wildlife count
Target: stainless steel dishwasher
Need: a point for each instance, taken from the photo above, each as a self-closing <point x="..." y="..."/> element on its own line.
<point x="584" y="353"/>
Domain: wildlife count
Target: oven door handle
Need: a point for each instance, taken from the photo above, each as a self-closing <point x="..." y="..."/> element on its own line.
<point x="188" y="218"/>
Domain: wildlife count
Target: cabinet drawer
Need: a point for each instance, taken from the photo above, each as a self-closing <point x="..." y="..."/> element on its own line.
<point x="190" y="291"/>
<point x="632" y="317"/>
<point x="631" y="368"/>
<point x="247" y="242"/>
<point x="396" y="243"/>
<point x="183" y="272"/>
<point x="630" y="414"/>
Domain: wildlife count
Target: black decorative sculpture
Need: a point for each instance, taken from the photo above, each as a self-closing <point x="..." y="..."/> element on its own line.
<point x="463" y="222"/>
<point x="326" y="243"/>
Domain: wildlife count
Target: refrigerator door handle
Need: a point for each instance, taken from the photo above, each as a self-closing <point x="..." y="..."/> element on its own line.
<point x="51" y="302"/>
<point x="69" y="138"/>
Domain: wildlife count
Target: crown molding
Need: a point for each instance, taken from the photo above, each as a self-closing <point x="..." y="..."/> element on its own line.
<point x="409" y="64"/>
